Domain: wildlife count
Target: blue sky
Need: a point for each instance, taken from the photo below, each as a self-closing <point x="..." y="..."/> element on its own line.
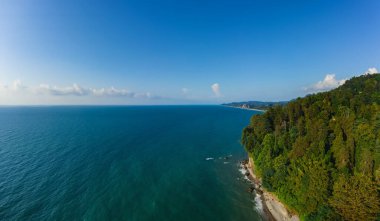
<point x="181" y="52"/>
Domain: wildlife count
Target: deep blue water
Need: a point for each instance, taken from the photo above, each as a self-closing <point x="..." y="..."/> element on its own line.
<point x="123" y="163"/>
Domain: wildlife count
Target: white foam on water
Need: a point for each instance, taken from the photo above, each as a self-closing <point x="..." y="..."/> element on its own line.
<point x="258" y="203"/>
<point x="244" y="171"/>
<point x="209" y="158"/>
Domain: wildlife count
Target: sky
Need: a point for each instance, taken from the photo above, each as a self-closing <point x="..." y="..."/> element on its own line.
<point x="182" y="52"/>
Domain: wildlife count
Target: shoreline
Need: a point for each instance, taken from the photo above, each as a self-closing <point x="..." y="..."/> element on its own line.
<point x="273" y="209"/>
<point x="253" y="109"/>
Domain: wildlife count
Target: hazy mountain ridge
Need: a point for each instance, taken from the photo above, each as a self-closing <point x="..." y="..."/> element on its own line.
<point x="260" y="105"/>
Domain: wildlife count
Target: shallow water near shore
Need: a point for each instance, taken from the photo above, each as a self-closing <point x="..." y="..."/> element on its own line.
<point x="123" y="163"/>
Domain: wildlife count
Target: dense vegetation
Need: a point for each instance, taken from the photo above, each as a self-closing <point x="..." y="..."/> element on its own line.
<point x="321" y="154"/>
<point x="261" y="105"/>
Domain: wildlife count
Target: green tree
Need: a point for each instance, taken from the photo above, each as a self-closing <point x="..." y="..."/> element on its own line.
<point x="339" y="149"/>
<point x="321" y="154"/>
<point x="356" y="198"/>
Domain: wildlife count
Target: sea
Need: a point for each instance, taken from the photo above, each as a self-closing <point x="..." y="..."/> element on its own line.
<point x="89" y="163"/>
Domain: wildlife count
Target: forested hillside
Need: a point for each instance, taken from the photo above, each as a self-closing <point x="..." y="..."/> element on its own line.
<point x="321" y="154"/>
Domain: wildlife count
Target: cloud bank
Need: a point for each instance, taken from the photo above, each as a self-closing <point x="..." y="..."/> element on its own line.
<point x="15" y="86"/>
<point x="216" y="89"/>
<point x="72" y="90"/>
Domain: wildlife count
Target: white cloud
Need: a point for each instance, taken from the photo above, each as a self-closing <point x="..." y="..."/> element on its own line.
<point x="216" y="89"/>
<point x="371" y="71"/>
<point x="112" y="92"/>
<point x="72" y="90"/>
<point x="328" y="83"/>
<point x="17" y="85"/>
<point x="75" y="90"/>
<point x="14" y="87"/>
<point x="146" y="95"/>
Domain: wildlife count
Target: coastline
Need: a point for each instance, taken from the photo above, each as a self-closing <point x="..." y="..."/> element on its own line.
<point x="253" y="109"/>
<point x="273" y="209"/>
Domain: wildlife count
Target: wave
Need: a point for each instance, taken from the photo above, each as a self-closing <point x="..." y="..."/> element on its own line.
<point x="244" y="171"/>
<point x="258" y="203"/>
<point x="258" y="200"/>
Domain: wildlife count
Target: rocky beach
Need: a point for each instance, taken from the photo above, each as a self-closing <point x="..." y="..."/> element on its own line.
<point x="273" y="209"/>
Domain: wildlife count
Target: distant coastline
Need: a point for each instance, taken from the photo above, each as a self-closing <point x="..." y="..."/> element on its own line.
<point x="245" y="108"/>
<point x="255" y="105"/>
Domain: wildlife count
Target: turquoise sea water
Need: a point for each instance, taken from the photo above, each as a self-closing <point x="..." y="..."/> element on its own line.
<point x="123" y="163"/>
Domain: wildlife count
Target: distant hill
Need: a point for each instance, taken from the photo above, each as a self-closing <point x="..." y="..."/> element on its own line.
<point x="321" y="154"/>
<point x="260" y="105"/>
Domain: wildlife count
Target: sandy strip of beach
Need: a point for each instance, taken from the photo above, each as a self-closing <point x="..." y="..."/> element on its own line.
<point x="252" y="109"/>
<point x="271" y="204"/>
